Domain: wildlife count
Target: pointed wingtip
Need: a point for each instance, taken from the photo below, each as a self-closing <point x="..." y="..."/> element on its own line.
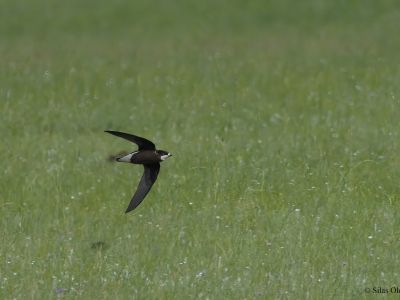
<point x="110" y="132"/>
<point x="131" y="207"/>
<point x="128" y="210"/>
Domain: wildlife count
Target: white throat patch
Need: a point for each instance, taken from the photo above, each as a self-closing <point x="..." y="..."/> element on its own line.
<point x="164" y="157"/>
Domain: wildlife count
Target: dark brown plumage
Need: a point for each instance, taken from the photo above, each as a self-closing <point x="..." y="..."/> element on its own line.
<point x="149" y="157"/>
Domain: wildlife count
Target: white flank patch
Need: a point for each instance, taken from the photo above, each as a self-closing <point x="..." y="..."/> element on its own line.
<point x="126" y="158"/>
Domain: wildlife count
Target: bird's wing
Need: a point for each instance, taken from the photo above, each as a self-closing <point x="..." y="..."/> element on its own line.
<point x="141" y="142"/>
<point x="149" y="177"/>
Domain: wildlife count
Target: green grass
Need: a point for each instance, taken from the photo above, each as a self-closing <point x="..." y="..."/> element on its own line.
<point x="283" y="119"/>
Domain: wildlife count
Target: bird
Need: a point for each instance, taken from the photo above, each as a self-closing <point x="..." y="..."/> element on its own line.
<point x="146" y="155"/>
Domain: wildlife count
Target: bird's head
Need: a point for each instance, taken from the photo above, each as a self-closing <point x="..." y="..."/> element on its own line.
<point x="163" y="154"/>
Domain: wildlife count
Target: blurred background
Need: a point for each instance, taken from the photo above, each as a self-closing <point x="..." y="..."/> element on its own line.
<point x="282" y="117"/>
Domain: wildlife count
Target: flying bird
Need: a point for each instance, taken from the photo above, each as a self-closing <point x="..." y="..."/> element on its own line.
<point x="148" y="156"/>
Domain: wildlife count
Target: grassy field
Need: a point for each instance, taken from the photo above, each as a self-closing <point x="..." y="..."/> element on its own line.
<point x="283" y="119"/>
